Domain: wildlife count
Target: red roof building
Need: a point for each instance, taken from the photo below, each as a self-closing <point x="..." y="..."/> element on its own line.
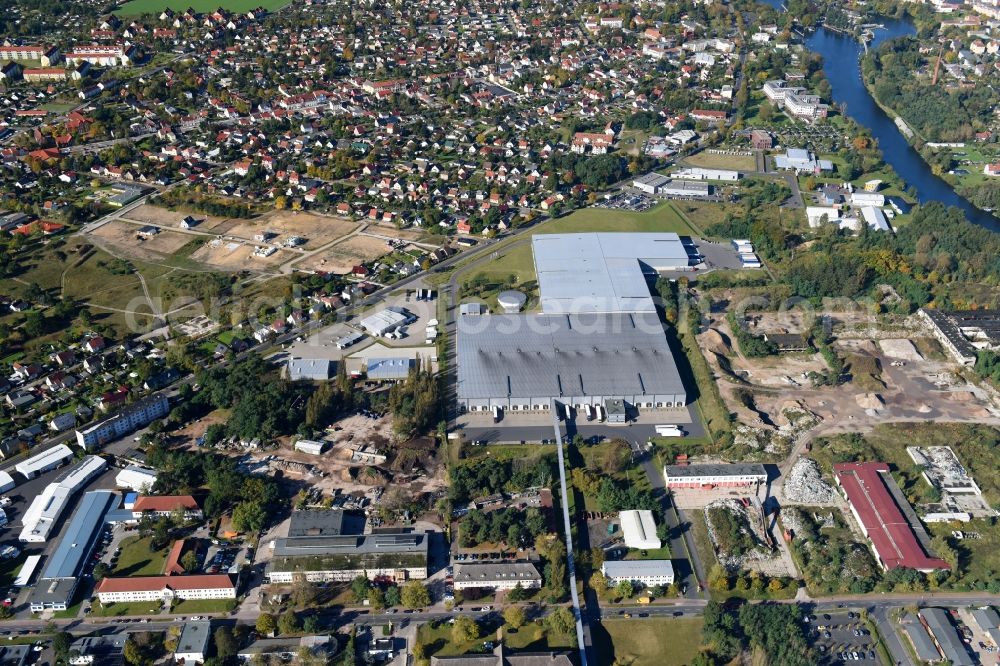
<point x="165" y="505"/>
<point x="163" y="588"/>
<point x="870" y="496"/>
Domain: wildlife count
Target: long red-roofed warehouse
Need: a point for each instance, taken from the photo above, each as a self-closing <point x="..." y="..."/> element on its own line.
<point x="880" y="518"/>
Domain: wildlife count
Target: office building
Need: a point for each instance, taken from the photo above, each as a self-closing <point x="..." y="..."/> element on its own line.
<point x="192" y="646"/>
<point x="714" y="475"/>
<point x="649" y="573"/>
<point x="397" y="555"/>
<point x="497" y="575"/>
<point x="165" y="588"/>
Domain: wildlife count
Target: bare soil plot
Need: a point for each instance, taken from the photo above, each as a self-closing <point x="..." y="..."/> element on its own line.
<point x="341" y="257"/>
<point x="389" y="230"/>
<point x="317" y="230"/>
<point x="148" y="214"/>
<point x="900" y="348"/>
<point x="236" y="256"/>
<point x="122" y="236"/>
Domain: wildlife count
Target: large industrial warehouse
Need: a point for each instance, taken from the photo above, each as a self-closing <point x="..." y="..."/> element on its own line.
<point x="597" y="340"/>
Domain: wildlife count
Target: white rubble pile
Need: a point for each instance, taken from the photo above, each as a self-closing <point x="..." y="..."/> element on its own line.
<point x="805" y="484"/>
<point x="761" y="440"/>
<point x="760" y="553"/>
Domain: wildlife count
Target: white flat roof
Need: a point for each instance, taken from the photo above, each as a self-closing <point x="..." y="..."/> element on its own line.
<point x="42" y="514"/>
<point x="44" y="459"/>
<point x="383" y="320"/>
<point x="639" y="530"/>
<point x="602" y="272"/>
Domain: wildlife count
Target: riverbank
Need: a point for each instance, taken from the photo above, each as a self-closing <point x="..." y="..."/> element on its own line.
<point x="959" y="182"/>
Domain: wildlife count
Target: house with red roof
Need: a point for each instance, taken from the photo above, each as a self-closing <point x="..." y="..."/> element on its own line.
<point x="166" y="505"/>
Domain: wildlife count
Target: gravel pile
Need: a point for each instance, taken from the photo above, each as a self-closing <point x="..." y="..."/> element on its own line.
<point x="805" y="484"/>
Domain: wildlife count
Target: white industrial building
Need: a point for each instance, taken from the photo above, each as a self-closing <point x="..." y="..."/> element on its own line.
<point x="43" y="513"/>
<point x="639" y="530"/>
<point x="875" y="218"/>
<point x="699" y="173"/>
<point x="714" y="475"/>
<point x="310" y="446"/>
<point x="6" y="482"/>
<point x="867" y="199"/>
<point x="134" y="477"/>
<point x="129" y="419"/>
<point x="685" y="189"/>
<point x="386" y="321"/>
<point x="497" y="575"/>
<point x="650" y="183"/>
<point x="817" y="214"/>
<point x="649" y="573"/>
<point x="801" y="160"/>
<point x="44" y="461"/>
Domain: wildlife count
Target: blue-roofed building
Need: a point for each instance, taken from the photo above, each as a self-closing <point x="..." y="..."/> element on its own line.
<point x="61" y="574"/>
<point x="389" y="369"/>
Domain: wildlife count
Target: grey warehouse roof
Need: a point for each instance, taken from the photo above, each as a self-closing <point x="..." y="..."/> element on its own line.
<point x="389" y="368"/>
<point x="415" y="542"/>
<point x="946" y="636"/>
<point x="487" y="572"/>
<point x="638" y="568"/>
<point x="720" y="469"/>
<point x="526" y="356"/>
<point x="602" y="272"/>
<point x="316" y="522"/>
<point x="76" y="543"/>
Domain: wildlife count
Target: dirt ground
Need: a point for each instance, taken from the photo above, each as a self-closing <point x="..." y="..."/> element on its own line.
<point x="122" y="236"/>
<point x="343" y="256"/>
<point x="317" y="230"/>
<point x="389" y="230"/>
<point x="163" y="217"/>
<point x="236" y="256"/>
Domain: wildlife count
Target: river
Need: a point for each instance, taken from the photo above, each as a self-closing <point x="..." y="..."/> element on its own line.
<point x="842" y="67"/>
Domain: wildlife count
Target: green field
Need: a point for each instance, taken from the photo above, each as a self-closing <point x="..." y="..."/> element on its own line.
<point x="204" y="606"/>
<point x="136" y="7"/>
<point x="647" y="642"/>
<point x="663" y="217"/>
<point x="134" y="608"/>
<point x="138" y="559"/>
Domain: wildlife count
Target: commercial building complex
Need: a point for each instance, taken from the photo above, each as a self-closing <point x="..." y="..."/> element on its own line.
<point x="54" y="589"/>
<point x="714" y="475"/>
<point x="645" y="572"/>
<point x="866" y="486"/>
<point x="129" y="419"/>
<point x="497" y="575"/>
<point x="165" y="588"/>
<point x="44" y="511"/>
<point x="639" y="530"/>
<point x="598" y="340"/>
<point x="385" y="321"/>
<point x="395" y="555"/>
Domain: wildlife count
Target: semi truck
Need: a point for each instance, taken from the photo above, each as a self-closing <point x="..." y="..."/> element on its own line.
<point x="669" y="431"/>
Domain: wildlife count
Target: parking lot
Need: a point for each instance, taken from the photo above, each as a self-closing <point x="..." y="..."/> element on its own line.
<point x="841" y="637"/>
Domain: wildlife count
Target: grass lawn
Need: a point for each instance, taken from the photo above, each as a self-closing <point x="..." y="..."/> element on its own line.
<point x="196" y="606"/>
<point x="138" y="559"/>
<point x="534" y="638"/>
<point x="648" y="642"/>
<point x="134" y="608"/>
<point x="663" y="217"/>
<point x="656" y="554"/>
<point x="136" y="7"/>
<point x="439" y="643"/>
<point x="709" y="160"/>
